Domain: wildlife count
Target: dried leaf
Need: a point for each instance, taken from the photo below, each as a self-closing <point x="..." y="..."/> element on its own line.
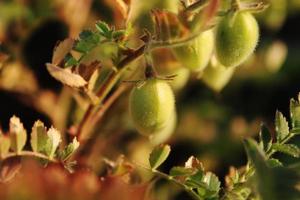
<point x="66" y="76"/>
<point x="86" y="71"/>
<point x="61" y="50"/>
<point x="167" y="25"/>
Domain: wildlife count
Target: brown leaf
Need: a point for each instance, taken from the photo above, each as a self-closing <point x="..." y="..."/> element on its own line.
<point x="86" y="71"/>
<point x="61" y="50"/>
<point x="210" y="11"/>
<point x="9" y="168"/>
<point x="66" y="76"/>
<point x="167" y="25"/>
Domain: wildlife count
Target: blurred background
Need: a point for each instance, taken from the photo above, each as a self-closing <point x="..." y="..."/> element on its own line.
<point x="211" y="123"/>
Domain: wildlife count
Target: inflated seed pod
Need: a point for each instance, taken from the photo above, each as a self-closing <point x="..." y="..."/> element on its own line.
<point x="236" y="38"/>
<point x="164" y="134"/>
<point x="166" y="65"/>
<point x="140" y="11"/>
<point x="216" y="76"/>
<point x="196" y="54"/>
<point x="151" y="106"/>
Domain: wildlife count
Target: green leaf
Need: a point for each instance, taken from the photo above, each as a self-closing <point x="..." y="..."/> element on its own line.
<point x="159" y="155"/>
<point x="295" y="113"/>
<point x="265" y="139"/>
<point x="118" y="34"/>
<point x="213" y="184"/>
<point x="238" y="193"/>
<point x="281" y="126"/>
<point x="39" y="137"/>
<point x="196" y="180"/>
<point x="54" y="139"/>
<point x="18" y="135"/>
<point x="88" y="40"/>
<point x="274" y="163"/>
<point x="181" y="171"/>
<point x="4" y="144"/>
<point x="103" y="29"/>
<point x="255" y="154"/>
<point x="70" y="60"/>
<point x="289" y="149"/>
<point x="272" y="183"/>
<point x="69" y="150"/>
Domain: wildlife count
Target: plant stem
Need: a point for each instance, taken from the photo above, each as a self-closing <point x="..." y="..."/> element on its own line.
<point x="85" y="118"/>
<point x="105" y="89"/>
<point x="29" y="154"/>
<point x="196" y="6"/>
<point x="189" y="190"/>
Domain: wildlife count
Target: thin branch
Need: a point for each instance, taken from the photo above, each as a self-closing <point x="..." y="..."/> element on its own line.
<point x="98" y="116"/>
<point x="197" y="5"/>
<point x="106" y="88"/>
<point x="189" y="190"/>
<point x="85" y="118"/>
<point x="29" y="154"/>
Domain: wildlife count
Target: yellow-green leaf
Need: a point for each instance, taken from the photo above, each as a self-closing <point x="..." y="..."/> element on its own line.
<point x="159" y="155"/>
<point x="18" y="135"/>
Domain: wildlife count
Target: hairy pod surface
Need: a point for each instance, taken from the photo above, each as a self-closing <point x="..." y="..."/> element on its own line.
<point x="236" y="38"/>
<point x="151" y="106"/>
<point x="195" y="54"/>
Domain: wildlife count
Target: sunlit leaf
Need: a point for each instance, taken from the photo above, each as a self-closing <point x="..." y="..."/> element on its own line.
<point x="213" y="184"/>
<point x="181" y="171"/>
<point x="295" y="113"/>
<point x="281" y="126"/>
<point x="159" y="155"/>
<point x="53" y="141"/>
<point x="39" y="137"/>
<point x="66" y="76"/>
<point x="289" y="149"/>
<point x="69" y="150"/>
<point x="4" y="144"/>
<point x="61" y="50"/>
<point x="18" y="135"/>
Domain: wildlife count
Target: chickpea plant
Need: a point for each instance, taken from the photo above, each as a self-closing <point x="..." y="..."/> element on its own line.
<point x="204" y="39"/>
